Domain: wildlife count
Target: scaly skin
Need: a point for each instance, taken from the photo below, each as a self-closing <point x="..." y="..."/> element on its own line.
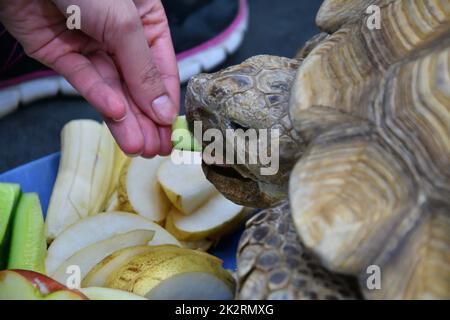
<point x="273" y="263"/>
<point x="365" y="154"/>
<point x="254" y="95"/>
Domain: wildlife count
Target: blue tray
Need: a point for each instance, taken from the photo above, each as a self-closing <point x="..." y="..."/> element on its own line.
<point x="40" y="175"/>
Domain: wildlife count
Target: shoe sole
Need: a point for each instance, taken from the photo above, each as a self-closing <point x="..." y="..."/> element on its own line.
<point x="32" y="90"/>
<point x="205" y="57"/>
<point x="212" y="53"/>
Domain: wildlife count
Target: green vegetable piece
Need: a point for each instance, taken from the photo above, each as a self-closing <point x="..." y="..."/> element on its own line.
<point x="9" y="196"/>
<point x="182" y="139"/>
<point x="28" y="246"/>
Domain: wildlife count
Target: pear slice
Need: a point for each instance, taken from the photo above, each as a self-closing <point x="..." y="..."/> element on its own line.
<point x="88" y="257"/>
<point x="185" y="185"/>
<point x="9" y="196"/>
<point x="139" y="190"/>
<point x="201" y="245"/>
<point x="96" y="293"/>
<point x="216" y="217"/>
<point x="28" y="247"/>
<point x="189" y="285"/>
<point x="98" y="275"/>
<point x="100" y="227"/>
<point x="169" y="272"/>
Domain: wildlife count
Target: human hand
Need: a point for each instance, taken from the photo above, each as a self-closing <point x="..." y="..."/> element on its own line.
<point x="122" y="61"/>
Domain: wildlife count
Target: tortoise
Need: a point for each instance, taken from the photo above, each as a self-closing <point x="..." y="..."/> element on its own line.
<point x="364" y="156"/>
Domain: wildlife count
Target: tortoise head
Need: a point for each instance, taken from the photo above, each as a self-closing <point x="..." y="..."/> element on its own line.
<point x="246" y="106"/>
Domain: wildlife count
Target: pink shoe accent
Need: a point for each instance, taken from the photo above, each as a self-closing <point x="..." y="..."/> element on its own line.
<point x="27" y="77"/>
<point x="242" y="14"/>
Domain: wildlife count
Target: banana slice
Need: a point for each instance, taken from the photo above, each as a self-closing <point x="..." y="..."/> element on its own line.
<point x="83" y="175"/>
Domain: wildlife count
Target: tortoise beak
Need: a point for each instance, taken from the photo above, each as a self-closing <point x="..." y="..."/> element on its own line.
<point x="235" y="187"/>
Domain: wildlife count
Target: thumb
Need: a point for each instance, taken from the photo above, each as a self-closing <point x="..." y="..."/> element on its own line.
<point x="142" y="76"/>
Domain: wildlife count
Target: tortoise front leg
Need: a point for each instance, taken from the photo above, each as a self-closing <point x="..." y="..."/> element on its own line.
<point x="273" y="264"/>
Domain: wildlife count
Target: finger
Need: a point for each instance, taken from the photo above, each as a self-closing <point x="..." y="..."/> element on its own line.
<point x="142" y="76"/>
<point x="149" y="131"/>
<point x="84" y="77"/>
<point x="163" y="53"/>
<point x="150" y="142"/>
<point x="151" y="136"/>
<point x="165" y="138"/>
<point x="164" y="57"/>
<point x="128" y="132"/>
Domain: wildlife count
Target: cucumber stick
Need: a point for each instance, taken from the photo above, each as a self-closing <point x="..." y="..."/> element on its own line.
<point x="182" y="138"/>
<point x="28" y="246"/>
<point x="9" y="195"/>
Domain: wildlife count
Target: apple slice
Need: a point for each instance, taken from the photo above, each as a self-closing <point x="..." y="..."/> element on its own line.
<point x="139" y="190"/>
<point x="185" y="185"/>
<point x="65" y="295"/>
<point x="97" y="228"/>
<point x="96" y="293"/>
<point x="9" y="196"/>
<point x="28" y="247"/>
<point x="29" y="285"/>
<point x="216" y="217"/>
<point x="88" y="257"/>
<point x="169" y="272"/>
<point x="98" y="275"/>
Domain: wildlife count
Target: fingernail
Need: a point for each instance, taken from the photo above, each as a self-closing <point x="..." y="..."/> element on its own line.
<point x="121" y="119"/>
<point x="114" y="103"/>
<point x="164" y="109"/>
<point x="134" y="155"/>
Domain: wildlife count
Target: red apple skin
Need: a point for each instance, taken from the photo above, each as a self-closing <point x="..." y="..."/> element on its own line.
<point x="38" y="279"/>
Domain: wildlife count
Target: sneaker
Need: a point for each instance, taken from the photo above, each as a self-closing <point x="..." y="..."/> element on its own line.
<point x="22" y="79"/>
<point x="204" y="32"/>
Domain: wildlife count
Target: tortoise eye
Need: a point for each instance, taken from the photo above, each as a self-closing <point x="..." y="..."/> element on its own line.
<point x="235" y="126"/>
